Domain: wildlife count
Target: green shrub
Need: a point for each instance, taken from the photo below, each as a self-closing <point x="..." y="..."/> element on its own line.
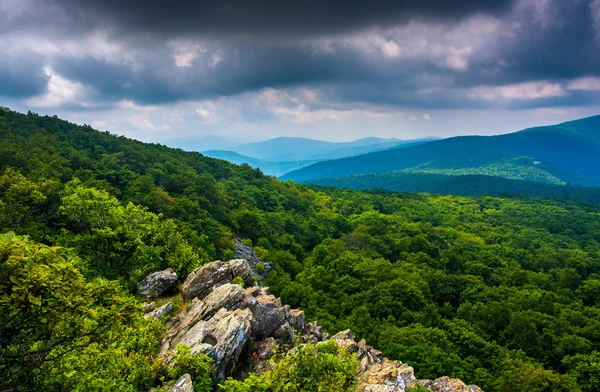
<point x="238" y="280"/>
<point x="324" y="367"/>
<point x="60" y="332"/>
<point x="198" y="366"/>
<point x="260" y="268"/>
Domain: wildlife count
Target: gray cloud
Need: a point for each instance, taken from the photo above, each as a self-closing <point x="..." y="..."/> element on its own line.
<point x="265" y="17"/>
<point x="21" y="77"/>
<point x="413" y="54"/>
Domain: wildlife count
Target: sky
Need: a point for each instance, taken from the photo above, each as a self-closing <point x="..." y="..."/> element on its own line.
<point x="247" y="70"/>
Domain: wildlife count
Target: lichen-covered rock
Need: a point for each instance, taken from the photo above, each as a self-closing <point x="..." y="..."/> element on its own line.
<point x="376" y="373"/>
<point x="243" y="251"/>
<point x="447" y="384"/>
<point x="222" y="337"/>
<point x="267" y="311"/>
<point x="161" y="312"/>
<point x="157" y="283"/>
<point x="225" y="297"/>
<point x="297" y="320"/>
<point x="149" y="307"/>
<point x="184" y="384"/>
<point x="204" y="279"/>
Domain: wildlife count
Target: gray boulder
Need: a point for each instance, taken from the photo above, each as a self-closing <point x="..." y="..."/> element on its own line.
<point x="267" y="312"/>
<point x="223" y="336"/>
<point x="157" y="283"/>
<point x="204" y="279"/>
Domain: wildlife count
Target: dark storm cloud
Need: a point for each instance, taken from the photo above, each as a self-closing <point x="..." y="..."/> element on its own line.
<point x="351" y="51"/>
<point x="21" y="77"/>
<point x="565" y="46"/>
<point x="248" y="67"/>
<point x="265" y="17"/>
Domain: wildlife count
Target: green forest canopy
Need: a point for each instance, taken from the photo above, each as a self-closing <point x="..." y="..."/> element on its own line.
<point x="502" y="292"/>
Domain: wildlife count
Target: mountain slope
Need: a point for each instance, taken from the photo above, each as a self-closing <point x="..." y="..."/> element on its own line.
<point x="546" y="154"/>
<point x="467" y="185"/>
<point x="586" y="127"/>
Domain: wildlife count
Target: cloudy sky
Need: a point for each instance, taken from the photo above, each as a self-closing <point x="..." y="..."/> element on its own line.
<point x="157" y="70"/>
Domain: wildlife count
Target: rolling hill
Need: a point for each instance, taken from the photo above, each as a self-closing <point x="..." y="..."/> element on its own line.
<point x="564" y="153"/>
<point x="464" y="185"/>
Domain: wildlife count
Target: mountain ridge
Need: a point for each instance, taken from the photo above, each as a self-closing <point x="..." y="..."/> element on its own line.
<point x="570" y="156"/>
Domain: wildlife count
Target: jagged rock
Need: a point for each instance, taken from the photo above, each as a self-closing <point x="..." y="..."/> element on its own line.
<point x="161" y="312"/>
<point x="285" y="335"/>
<point x="204" y="279"/>
<point x="222" y="337"/>
<point x="297" y="320"/>
<point x="267" y="312"/>
<point x="225" y="320"/>
<point x="314" y="333"/>
<point x="149" y="307"/>
<point x="376" y="373"/>
<point x="184" y="384"/>
<point x="387" y="372"/>
<point x="157" y="283"/>
<point x="243" y="251"/>
<point x="224" y="297"/>
<point x="447" y="384"/>
<point x="215" y="326"/>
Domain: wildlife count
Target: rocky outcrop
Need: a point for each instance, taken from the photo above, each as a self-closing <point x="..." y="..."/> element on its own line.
<point x="157" y="283"/>
<point x="447" y="384"/>
<point x="231" y="324"/>
<point x="204" y="279"/>
<point x="260" y="268"/>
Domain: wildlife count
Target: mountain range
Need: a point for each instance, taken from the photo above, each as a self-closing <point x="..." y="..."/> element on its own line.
<point x="567" y="153"/>
<point x="280" y="155"/>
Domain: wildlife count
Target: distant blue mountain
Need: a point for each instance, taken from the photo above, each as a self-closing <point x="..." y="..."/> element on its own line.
<point x="270" y="168"/>
<point x="564" y="153"/>
<point x="285" y="149"/>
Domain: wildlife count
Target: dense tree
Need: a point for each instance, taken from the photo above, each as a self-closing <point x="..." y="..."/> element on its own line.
<point x="52" y="315"/>
<point x="503" y="292"/>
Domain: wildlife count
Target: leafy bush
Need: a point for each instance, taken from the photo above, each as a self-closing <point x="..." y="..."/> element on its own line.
<point x="198" y="366"/>
<point x="58" y="331"/>
<point x="324" y="367"/>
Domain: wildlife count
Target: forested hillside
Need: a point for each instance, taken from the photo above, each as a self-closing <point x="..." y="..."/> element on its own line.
<point x="500" y="292"/>
<point x="466" y="185"/>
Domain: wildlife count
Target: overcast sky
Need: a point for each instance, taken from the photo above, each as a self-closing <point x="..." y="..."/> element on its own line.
<point x="157" y="70"/>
